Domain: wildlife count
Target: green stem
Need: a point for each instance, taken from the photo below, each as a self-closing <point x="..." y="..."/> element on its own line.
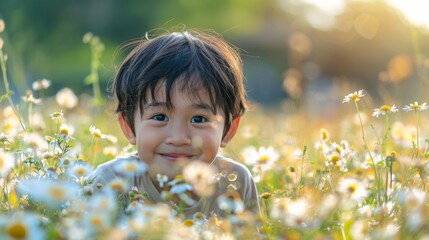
<point x="6" y="86"/>
<point x="417" y="134"/>
<point x="377" y="180"/>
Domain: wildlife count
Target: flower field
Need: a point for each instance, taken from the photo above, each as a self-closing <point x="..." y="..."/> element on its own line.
<point x="362" y="175"/>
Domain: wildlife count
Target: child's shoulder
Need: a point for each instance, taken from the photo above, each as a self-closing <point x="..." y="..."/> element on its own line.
<point x="231" y="166"/>
<point x="111" y="163"/>
<point x="109" y="170"/>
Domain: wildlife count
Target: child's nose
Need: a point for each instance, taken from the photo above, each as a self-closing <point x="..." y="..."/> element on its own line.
<point x="179" y="135"/>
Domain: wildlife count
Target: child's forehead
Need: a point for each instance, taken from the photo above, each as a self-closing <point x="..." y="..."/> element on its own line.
<point x="178" y="90"/>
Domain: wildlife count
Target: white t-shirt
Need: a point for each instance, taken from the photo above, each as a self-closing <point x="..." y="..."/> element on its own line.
<point x="244" y="185"/>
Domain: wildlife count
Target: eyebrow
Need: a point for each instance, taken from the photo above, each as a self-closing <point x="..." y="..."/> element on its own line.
<point x="163" y="105"/>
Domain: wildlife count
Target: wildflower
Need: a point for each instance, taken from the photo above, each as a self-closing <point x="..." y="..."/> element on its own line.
<point x="96" y="221"/>
<point x="22" y="226"/>
<point x="261" y="159"/>
<point x="353" y="96"/>
<point x="66" y="98"/>
<point x="96" y="132"/>
<point x="57" y="115"/>
<point x="201" y="176"/>
<point x="353" y="188"/>
<point x="230" y="202"/>
<point x="294" y="213"/>
<point x="266" y="195"/>
<point x="41" y="84"/>
<point x="415" y="106"/>
<point x="118" y="185"/>
<point x="383" y="110"/>
<point x="7" y="162"/>
<point x="110" y="151"/>
<point x="35" y="140"/>
<point x="51" y="193"/>
<point x="324" y="134"/>
<point x="66" y="129"/>
<point x="162" y="179"/>
<point x="180" y="188"/>
<point x="79" y="170"/>
<point x="102" y="202"/>
<point x="29" y="98"/>
<point x="130" y="168"/>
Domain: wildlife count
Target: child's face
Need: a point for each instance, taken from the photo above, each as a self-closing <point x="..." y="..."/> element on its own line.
<point x="168" y="139"/>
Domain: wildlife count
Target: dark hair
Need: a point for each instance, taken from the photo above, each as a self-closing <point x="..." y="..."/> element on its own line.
<point x="192" y="59"/>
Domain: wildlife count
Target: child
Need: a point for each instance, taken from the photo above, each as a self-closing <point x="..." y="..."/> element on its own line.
<point x="180" y="98"/>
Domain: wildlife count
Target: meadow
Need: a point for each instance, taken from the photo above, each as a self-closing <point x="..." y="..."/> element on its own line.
<point x="362" y="175"/>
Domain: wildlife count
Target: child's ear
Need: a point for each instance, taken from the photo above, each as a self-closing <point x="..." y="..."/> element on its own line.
<point x="126" y="129"/>
<point x="231" y="132"/>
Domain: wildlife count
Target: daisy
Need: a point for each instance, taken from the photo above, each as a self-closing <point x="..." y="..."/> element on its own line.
<point x="22" y="226"/>
<point x="383" y="110"/>
<point x="162" y="179"/>
<point x="79" y="170"/>
<point x="230" y="202"/>
<point x="66" y="98"/>
<point x="96" y="132"/>
<point x="130" y="168"/>
<point x="41" y="84"/>
<point x="294" y="213"/>
<point x="7" y="162"/>
<point x="353" y="96"/>
<point x="29" y="98"/>
<point x="57" y="115"/>
<point x="51" y="193"/>
<point x="261" y="159"/>
<point x="353" y="188"/>
<point x="415" y="106"/>
<point x="201" y="176"/>
<point x="118" y="185"/>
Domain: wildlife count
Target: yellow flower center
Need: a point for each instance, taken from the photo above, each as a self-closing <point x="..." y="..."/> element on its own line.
<point x="415" y="106"/>
<point x="385" y="108"/>
<point x="95" y="221"/>
<point x="79" y="171"/>
<point x="64" y="131"/>
<point x="263" y="159"/>
<point x="56" y="114"/>
<point x="17" y="231"/>
<point x="57" y="193"/>
<point x="266" y="195"/>
<point x="334" y="159"/>
<point x="352" y="188"/>
<point x="117" y="187"/>
<point x="188" y="223"/>
<point x="324" y="134"/>
<point x="355" y="96"/>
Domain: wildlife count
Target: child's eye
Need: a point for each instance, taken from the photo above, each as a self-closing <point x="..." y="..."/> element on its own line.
<point x="198" y="119"/>
<point x="160" y="117"/>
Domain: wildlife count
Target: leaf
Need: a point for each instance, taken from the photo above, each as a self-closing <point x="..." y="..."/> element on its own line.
<point x="5" y="96"/>
<point x="90" y="79"/>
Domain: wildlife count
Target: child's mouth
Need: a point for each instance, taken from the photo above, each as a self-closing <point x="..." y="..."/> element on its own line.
<point x="173" y="157"/>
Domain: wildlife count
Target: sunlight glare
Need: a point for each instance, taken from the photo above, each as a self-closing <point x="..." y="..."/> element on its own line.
<point x="414" y="11"/>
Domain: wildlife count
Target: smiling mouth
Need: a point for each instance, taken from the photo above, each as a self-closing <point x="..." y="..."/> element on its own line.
<point x="173" y="157"/>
